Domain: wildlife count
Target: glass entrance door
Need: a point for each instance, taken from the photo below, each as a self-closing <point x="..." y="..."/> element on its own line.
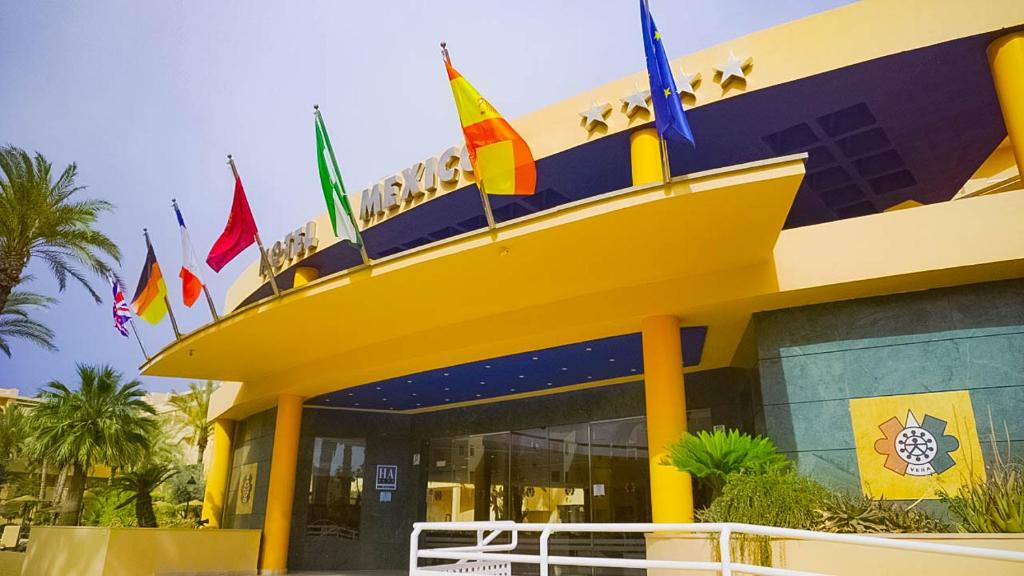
<point x="468" y="478"/>
<point x="587" y="472"/>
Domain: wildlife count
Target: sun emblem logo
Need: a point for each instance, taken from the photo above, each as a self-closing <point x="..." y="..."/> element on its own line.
<point x="246" y="491"/>
<point x="916" y="449"/>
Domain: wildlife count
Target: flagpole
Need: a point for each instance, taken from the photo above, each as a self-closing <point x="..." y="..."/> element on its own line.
<point x="666" y="170"/>
<point x="488" y="214"/>
<point x="334" y="161"/>
<point x="209" y="300"/>
<point x="259" y="243"/>
<point x="137" y="339"/>
<point x="487" y="204"/>
<point x="167" y="302"/>
<point x="131" y="320"/>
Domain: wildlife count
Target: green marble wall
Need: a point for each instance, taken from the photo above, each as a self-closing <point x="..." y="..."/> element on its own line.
<point x="813" y="359"/>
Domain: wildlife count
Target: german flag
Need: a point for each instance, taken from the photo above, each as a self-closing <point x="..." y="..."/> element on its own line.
<point x="502" y="162"/>
<point x="150" y="301"/>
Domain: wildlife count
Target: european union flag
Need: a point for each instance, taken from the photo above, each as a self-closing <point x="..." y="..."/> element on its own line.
<point x="669" y="117"/>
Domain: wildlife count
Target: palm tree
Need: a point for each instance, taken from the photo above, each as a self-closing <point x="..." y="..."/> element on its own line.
<point x="191" y="409"/>
<point x="139" y="483"/>
<point x="15" y="321"/>
<point x="103" y="421"/>
<point x="39" y="218"/>
<point x="14" y="429"/>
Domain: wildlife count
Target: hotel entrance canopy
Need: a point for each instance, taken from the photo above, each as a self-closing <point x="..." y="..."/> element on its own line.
<point x="584" y="270"/>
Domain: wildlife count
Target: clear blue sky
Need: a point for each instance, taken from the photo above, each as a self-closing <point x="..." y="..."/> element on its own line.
<point x="149" y="97"/>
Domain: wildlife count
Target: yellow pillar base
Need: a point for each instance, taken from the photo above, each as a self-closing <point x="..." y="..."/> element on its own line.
<point x="1006" y="58"/>
<point x="281" y="492"/>
<point x="217" y="477"/>
<point x="665" y="399"/>
<point x="304" y="275"/>
<point x="645" y="156"/>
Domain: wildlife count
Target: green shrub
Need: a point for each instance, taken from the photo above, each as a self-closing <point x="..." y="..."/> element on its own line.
<point x="711" y="457"/>
<point x="780" y="498"/>
<point x="100" y="508"/>
<point x="857" y="514"/>
<point x="995" y="505"/>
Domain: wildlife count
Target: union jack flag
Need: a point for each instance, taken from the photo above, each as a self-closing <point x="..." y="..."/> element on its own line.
<point x="122" y="313"/>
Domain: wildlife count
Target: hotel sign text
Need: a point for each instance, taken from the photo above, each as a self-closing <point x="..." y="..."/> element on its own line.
<point x="295" y="246"/>
<point x="415" y="182"/>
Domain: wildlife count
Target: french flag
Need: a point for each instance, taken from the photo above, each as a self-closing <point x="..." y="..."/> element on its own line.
<point x="191" y="283"/>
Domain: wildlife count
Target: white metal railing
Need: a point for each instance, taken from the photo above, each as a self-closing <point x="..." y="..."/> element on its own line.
<point x="490" y="559"/>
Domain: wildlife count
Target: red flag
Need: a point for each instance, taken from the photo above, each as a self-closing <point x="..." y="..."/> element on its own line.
<point x="239" y="233"/>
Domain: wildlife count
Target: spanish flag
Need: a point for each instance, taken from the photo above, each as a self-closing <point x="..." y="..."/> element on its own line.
<point x="150" y="301"/>
<point x="502" y="162"/>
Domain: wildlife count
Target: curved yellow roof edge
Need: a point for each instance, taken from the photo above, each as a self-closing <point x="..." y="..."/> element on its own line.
<point x="504" y="234"/>
<point x="805" y="47"/>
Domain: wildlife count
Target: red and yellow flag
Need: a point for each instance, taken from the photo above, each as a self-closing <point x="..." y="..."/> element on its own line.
<point x="502" y="162"/>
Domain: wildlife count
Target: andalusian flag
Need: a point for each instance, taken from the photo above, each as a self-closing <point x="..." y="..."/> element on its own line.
<point x="150" y="301"/>
<point x="334" y="190"/>
<point x="502" y="162"/>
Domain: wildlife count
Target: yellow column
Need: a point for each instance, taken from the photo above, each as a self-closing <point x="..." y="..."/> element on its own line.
<point x="217" y="477"/>
<point x="1006" y="58"/>
<point x="281" y="492"/>
<point x="304" y="275"/>
<point x="665" y="398"/>
<point x="645" y="156"/>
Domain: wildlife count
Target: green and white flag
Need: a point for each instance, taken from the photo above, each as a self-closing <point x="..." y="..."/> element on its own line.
<point x="338" y="206"/>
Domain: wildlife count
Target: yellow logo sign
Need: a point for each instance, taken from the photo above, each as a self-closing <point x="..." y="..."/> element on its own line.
<point x="910" y="446"/>
<point x="246" y="488"/>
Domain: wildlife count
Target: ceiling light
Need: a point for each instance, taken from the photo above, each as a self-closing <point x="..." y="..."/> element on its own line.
<point x="611" y="359"/>
<point x="445" y="373"/>
<point x="588" y="348"/>
<point x="549" y="384"/>
<point x="534" y="358"/>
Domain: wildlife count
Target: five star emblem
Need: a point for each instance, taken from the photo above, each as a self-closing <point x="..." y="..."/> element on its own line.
<point x="595" y="115"/>
<point x="688" y="82"/>
<point x="636" y="102"/>
<point x="734" y="69"/>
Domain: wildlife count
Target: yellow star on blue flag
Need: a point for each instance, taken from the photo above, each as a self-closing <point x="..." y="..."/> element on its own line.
<point x="669" y="116"/>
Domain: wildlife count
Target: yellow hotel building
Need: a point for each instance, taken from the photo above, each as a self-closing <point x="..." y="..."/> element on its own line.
<point x="837" y="264"/>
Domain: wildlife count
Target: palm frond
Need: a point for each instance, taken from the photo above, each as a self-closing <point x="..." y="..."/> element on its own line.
<point x="42" y="217"/>
<point x="16" y="321"/>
